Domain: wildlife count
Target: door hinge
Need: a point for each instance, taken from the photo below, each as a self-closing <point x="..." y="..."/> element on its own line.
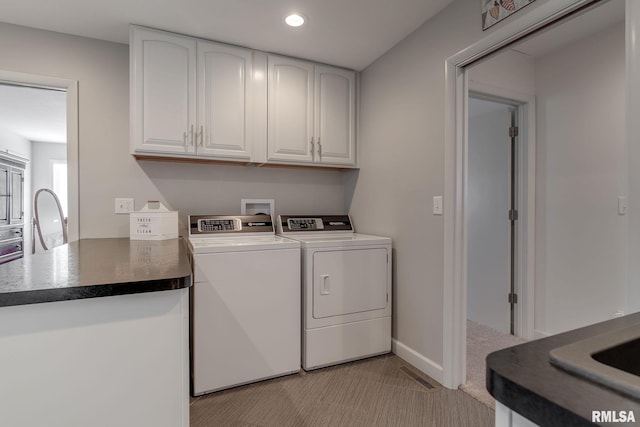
<point x="513" y="131"/>
<point x="513" y="215"/>
<point x="513" y="298"/>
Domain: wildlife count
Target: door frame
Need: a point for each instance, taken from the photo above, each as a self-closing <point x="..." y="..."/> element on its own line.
<point x="73" y="182"/>
<point x="456" y="90"/>
<point x="526" y="179"/>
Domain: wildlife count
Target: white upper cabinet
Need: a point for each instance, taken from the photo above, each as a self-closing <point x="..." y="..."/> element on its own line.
<point x="197" y="99"/>
<point x="224" y="75"/>
<point x="290" y="110"/>
<point x="163" y="92"/>
<point x="311" y="113"/>
<point x="190" y="98"/>
<point x="335" y="110"/>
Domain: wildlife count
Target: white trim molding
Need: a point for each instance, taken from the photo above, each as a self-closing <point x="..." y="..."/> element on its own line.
<point x="456" y="86"/>
<point x="424" y="364"/>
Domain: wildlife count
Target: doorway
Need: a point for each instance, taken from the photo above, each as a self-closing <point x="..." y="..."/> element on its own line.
<point x="59" y="170"/>
<point x="456" y="180"/>
<point x="33" y="123"/>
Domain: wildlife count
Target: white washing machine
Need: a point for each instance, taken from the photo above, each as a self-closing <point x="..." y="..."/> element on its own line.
<point x="346" y="289"/>
<point x="245" y="302"/>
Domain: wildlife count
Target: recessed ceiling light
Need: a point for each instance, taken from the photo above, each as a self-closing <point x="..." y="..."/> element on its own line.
<point x="295" y="19"/>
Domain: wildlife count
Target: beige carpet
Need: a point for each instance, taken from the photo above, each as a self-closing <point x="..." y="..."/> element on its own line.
<point x="383" y="391"/>
<point x="482" y="340"/>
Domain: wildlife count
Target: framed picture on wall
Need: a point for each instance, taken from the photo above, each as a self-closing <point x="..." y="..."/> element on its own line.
<point x="496" y="10"/>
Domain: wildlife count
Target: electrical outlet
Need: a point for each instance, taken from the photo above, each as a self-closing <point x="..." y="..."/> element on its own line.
<point x="124" y="206"/>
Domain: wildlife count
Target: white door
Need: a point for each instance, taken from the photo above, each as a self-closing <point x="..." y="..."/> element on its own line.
<point x="224" y="74"/>
<point x="488" y="199"/>
<point x="163" y="88"/>
<point x="335" y="109"/>
<point x="290" y="113"/>
<point x="349" y="281"/>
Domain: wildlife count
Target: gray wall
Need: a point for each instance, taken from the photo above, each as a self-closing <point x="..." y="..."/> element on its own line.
<point x="402" y="168"/>
<point x="106" y="168"/>
<point x="581" y="170"/>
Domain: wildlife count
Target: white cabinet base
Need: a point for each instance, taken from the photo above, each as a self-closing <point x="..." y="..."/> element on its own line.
<point x="99" y="362"/>
<point x="505" y="417"/>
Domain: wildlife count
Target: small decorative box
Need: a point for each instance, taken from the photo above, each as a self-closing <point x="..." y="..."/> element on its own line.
<point x="153" y="222"/>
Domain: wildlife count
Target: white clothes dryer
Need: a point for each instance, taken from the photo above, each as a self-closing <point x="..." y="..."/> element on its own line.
<point x="346" y="289"/>
<point x="245" y="302"/>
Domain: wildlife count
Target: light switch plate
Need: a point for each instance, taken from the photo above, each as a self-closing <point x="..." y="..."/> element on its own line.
<point x="437" y="205"/>
<point x="124" y="205"/>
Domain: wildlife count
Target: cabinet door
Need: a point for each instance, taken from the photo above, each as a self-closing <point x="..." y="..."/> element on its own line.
<point x="163" y="91"/>
<point x="224" y="74"/>
<point x="4" y="194"/>
<point x="16" y="199"/>
<point x="335" y="108"/>
<point x="290" y="113"/>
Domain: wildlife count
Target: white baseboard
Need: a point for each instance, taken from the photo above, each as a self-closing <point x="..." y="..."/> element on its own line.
<point x="540" y="334"/>
<point x="424" y="364"/>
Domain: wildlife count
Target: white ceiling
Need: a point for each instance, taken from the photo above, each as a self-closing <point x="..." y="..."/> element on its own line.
<point x="348" y="33"/>
<point x="35" y="114"/>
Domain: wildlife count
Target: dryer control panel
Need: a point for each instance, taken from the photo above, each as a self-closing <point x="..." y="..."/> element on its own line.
<point x="203" y="225"/>
<point x="312" y="223"/>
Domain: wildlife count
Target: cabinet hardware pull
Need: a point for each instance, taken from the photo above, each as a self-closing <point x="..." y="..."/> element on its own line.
<point x="319" y="149"/>
<point x="184" y="137"/>
<point x="201" y="136"/>
<point x="313" y="148"/>
<point x="192" y="135"/>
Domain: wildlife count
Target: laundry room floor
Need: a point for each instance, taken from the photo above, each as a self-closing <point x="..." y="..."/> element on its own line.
<point x="380" y="391"/>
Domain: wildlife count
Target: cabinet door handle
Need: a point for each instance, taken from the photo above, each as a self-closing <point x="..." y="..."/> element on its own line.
<point x="192" y="135"/>
<point x="319" y="148"/>
<point x="201" y="136"/>
<point x="313" y="149"/>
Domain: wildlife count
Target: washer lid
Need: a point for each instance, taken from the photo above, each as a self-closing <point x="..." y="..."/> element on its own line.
<point x="340" y="240"/>
<point x="205" y="245"/>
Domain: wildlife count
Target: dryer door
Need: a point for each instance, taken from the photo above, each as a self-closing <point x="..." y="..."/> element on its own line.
<point x="349" y="281"/>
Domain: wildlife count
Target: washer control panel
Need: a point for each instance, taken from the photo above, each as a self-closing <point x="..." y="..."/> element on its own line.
<point x="209" y="225"/>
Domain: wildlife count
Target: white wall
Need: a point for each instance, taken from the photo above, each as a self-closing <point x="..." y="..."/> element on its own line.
<point x="510" y="70"/>
<point x="107" y="170"/>
<point x="580" y="238"/>
<point x="18" y="145"/>
<point x="41" y="154"/>
<point x="488" y="204"/>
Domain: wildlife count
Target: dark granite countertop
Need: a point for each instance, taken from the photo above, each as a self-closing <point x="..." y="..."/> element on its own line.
<point x="523" y="379"/>
<point x="91" y="268"/>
